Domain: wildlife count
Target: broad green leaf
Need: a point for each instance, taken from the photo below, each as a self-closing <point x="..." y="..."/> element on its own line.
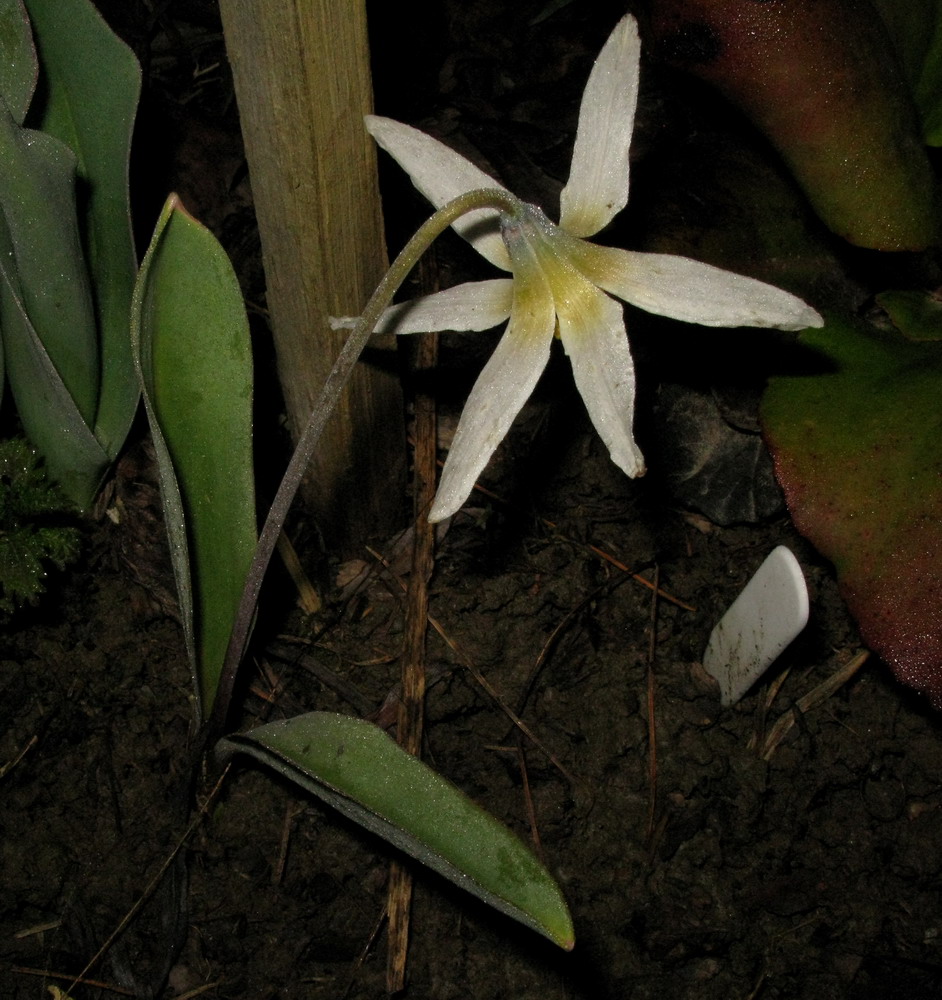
<point x="857" y="444"/>
<point x="18" y="64"/>
<point x="819" y="78"/>
<point x="37" y="198"/>
<point x="91" y="86"/>
<point x="191" y="345"/>
<point x="361" y="772"/>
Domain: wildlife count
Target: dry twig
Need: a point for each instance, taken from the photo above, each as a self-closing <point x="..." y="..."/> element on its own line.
<point x="652" y="723"/>
<point x="412" y="703"/>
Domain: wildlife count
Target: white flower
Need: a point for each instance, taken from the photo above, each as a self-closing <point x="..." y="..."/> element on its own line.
<point x="561" y="284"/>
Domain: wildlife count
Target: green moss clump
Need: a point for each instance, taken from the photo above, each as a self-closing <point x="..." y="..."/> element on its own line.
<point x="34" y="529"/>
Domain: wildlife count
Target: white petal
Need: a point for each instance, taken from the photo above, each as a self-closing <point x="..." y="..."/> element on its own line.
<point x="441" y="174"/>
<point x="502" y="387"/>
<point x="691" y="291"/>
<point x="592" y="329"/>
<point x="597" y="188"/>
<point x="475" y="305"/>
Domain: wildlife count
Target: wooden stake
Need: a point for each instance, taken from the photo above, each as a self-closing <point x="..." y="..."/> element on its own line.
<point x="302" y="80"/>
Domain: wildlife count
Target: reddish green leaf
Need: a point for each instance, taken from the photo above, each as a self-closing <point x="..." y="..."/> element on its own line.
<point x="820" y="79"/>
<point x="858" y="450"/>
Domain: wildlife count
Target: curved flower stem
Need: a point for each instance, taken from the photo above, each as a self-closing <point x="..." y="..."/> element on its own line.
<point x="495" y="198"/>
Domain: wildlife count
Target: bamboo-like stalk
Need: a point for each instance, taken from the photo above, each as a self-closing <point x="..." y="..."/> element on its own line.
<point x="302" y="80"/>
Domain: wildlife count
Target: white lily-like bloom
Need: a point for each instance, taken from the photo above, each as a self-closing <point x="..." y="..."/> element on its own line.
<point x="562" y="285"/>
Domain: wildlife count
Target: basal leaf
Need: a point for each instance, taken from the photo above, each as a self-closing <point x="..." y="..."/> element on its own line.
<point x="191" y="343"/>
<point x="857" y="445"/>
<point x="91" y="86"/>
<point x="361" y="772"/>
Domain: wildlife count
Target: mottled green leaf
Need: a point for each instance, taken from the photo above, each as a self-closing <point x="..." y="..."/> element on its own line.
<point x="91" y="84"/>
<point x="857" y="444"/>
<point x="191" y="343"/>
<point x="361" y="772"/>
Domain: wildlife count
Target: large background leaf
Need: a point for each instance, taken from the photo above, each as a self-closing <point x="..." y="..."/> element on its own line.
<point x="820" y="79"/>
<point x="191" y="340"/>
<point x="858" y="450"/>
<point x="360" y="771"/>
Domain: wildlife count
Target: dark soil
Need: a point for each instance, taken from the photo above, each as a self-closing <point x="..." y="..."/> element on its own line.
<point x="696" y="862"/>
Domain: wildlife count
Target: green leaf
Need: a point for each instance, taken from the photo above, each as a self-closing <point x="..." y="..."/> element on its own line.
<point x="915" y="314"/>
<point x="191" y="345"/>
<point x="857" y="444"/>
<point x="46" y="408"/>
<point x="91" y="86"/>
<point x="916" y="29"/>
<point x="361" y="772"/>
<point x="18" y="64"/>
<point x="74" y="458"/>
<point x="37" y="198"/>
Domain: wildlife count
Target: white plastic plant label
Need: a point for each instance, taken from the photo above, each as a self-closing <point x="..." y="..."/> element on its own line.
<point x="761" y="622"/>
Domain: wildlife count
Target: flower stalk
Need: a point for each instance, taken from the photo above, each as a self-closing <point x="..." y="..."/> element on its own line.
<point x="467" y="202"/>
